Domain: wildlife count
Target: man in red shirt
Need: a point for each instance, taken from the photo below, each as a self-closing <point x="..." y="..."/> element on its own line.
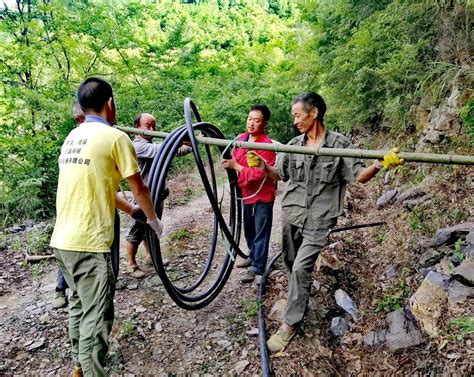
<point x="258" y="191"/>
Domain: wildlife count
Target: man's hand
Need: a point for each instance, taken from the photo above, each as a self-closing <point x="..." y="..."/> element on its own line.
<point x="391" y="159"/>
<point x="229" y="164"/>
<point x="254" y="160"/>
<point x="157" y="226"/>
<point x="138" y="214"/>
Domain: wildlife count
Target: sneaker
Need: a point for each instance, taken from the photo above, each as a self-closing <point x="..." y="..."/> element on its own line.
<point x="248" y="276"/>
<point x="280" y="340"/>
<point x="243" y="263"/>
<point x="135" y="272"/>
<point x="59" y="300"/>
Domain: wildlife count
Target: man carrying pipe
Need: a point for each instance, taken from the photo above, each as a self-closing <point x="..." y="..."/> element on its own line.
<point x="312" y="202"/>
<point x="146" y="151"/>
<point x="257" y="190"/>
<point x="93" y="158"/>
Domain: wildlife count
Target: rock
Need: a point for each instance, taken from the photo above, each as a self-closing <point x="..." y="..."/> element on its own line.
<point x="275" y="273"/>
<point x="445" y="267"/>
<point x="345" y="302"/>
<point x="278" y="310"/>
<point x="465" y="272"/>
<point x="448" y="236"/>
<point x="429" y="258"/>
<point x="339" y="326"/>
<point x="240" y="366"/>
<point x="44" y="319"/>
<point x="132" y="287"/>
<point x="252" y="332"/>
<point x="36" y="345"/>
<point x="390" y="271"/>
<point x="316" y="285"/>
<point x="375" y="338"/>
<point x="427" y="303"/>
<point x="224" y="343"/>
<point x="158" y="327"/>
<point x="458" y="293"/>
<point x="140" y="309"/>
<point x="416" y="202"/>
<point x="218" y="334"/>
<point x="326" y="259"/>
<point x="387" y="198"/>
<point x="402" y="332"/>
<point x="411" y="194"/>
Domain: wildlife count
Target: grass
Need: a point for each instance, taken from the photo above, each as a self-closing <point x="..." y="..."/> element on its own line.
<point x="250" y="308"/>
<point x="179" y="235"/>
<point x="126" y="329"/>
<point x="394" y="297"/>
<point x="461" y="326"/>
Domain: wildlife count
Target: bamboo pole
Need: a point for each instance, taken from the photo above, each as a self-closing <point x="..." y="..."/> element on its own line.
<point x="337" y="152"/>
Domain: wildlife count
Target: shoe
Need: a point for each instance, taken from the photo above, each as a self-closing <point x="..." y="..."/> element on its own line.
<point x="135" y="272"/>
<point x="59" y="300"/>
<point x="248" y="276"/>
<point x="280" y="340"/>
<point x="244" y="263"/>
<point x="77" y="372"/>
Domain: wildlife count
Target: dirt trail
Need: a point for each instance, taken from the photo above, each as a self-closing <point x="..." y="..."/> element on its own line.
<point x="151" y="334"/>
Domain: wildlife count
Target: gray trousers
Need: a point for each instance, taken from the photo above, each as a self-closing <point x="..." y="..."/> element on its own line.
<point x="300" y="250"/>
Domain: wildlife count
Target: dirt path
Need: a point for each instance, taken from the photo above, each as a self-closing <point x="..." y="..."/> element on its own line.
<point x="151" y="334"/>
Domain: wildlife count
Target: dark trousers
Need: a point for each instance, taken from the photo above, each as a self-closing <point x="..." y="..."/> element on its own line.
<point x="258" y="219"/>
<point x="61" y="284"/>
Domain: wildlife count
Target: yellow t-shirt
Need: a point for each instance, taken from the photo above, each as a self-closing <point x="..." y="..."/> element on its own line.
<point x="93" y="158"/>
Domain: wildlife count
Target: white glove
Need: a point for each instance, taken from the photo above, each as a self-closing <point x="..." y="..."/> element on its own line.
<point x="157" y="226"/>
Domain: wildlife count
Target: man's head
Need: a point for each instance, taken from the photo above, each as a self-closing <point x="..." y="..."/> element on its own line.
<point x="145" y="121"/>
<point x="96" y="97"/>
<point x="307" y="110"/>
<point x="78" y="114"/>
<point x="257" y="119"/>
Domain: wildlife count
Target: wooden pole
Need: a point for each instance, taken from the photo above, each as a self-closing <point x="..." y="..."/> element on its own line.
<point x="337" y="152"/>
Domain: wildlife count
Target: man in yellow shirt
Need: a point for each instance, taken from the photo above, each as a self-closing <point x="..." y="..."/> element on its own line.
<point x="94" y="157"/>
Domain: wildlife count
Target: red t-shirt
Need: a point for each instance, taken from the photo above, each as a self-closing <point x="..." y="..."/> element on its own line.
<point x="250" y="178"/>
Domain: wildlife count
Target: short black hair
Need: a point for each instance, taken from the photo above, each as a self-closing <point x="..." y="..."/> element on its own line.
<point x="93" y="94"/>
<point x="311" y="100"/>
<point x="138" y="118"/>
<point x="263" y="109"/>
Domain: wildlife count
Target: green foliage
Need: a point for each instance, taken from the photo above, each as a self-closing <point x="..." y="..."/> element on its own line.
<point x="179" y="235"/>
<point x="462" y="326"/>
<point x="394" y="297"/>
<point x="371" y="60"/>
<point x="458" y="254"/>
<point x="250" y="308"/>
<point x="126" y="329"/>
<point x="467" y="115"/>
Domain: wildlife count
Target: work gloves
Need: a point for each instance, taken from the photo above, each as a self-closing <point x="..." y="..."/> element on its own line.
<point x="253" y="159"/>
<point x="391" y="159"/>
<point x="138" y="214"/>
<point x="157" y="226"/>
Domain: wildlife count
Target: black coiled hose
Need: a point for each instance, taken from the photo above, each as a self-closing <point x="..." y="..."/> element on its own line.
<point x="157" y="185"/>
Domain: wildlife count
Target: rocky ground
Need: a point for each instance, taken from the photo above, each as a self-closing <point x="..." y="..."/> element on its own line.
<point x="393" y="300"/>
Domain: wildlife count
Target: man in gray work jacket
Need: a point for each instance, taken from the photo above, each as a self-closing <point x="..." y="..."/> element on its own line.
<point x="146" y="151"/>
<point x="312" y="202"/>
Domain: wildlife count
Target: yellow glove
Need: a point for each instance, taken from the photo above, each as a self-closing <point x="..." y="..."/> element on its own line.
<point x="253" y="159"/>
<point x="391" y="159"/>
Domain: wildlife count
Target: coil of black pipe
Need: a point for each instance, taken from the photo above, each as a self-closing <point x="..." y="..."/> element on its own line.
<point x="183" y="297"/>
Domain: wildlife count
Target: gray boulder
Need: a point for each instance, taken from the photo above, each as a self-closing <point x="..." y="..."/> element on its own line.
<point x="339" y="326"/>
<point x="387" y="198"/>
<point x="402" y="332"/>
<point x="465" y="272"/>
<point x="448" y="236"/>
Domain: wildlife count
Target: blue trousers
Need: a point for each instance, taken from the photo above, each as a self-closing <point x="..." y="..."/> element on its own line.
<point x="258" y="219"/>
<point x="61" y="284"/>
